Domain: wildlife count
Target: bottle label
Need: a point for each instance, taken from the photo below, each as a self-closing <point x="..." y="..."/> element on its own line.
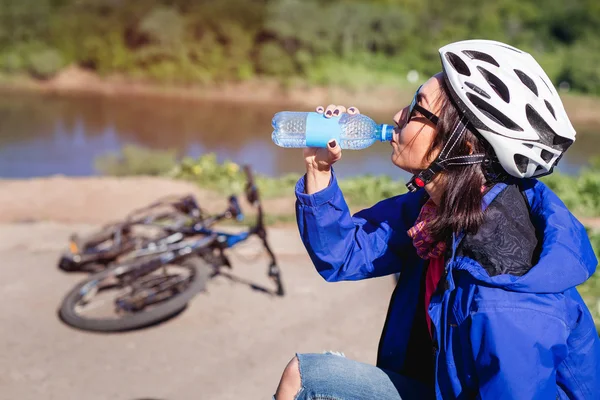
<point x="320" y="130"/>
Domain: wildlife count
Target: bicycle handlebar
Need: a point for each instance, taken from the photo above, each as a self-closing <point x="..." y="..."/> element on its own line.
<point x="234" y="208"/>
<point x="251" y="189"/>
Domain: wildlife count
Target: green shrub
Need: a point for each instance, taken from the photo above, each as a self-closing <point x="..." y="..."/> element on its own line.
<point x="590" y="290"/>
<point x="11" y="62"/>
<point x="163" y="26"/>
<point x="133" y="160"/>
<point x="581" y="193"/>
<point x="45" y="63"/>
<point x="225" y="177"/>
<point x="272" y="59"/>
<point x="367" y="190"/>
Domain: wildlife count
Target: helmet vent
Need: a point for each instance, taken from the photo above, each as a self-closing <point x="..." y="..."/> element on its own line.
<point x="478" y="55"/>
<point x="493" y="113"/>
<point x="495" y="83"/>
<point x="527" y="81"/>
<point x="546" y="155"/>
<point x="528" y="145"/>
<point x="458" y="64"/>
<point x="561" y="143"/>
<point x="545" y="132"/>
<point x="550" y="108"/>
<point x="521" y="162"/>
<point x="478" y="90"/>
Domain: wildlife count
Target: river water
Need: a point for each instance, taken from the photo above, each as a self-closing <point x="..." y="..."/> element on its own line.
<point x="43" y="135"/>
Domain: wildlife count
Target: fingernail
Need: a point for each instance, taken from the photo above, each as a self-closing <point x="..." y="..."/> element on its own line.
<point x="328" y="113"/>
<point x="332" y="144"/>
<point x="336" y="112"/>
<point x="351" y="109"/>
<point x="319" y="108"/>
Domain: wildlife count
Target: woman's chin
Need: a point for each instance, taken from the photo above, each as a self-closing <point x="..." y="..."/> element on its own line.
<point x="396" y="163"/>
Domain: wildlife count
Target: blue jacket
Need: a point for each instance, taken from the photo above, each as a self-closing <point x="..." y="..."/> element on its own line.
<point x="498" y="337"/>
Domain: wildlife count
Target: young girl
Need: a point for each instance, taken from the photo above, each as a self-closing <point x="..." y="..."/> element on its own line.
<point x="488" y="257"/>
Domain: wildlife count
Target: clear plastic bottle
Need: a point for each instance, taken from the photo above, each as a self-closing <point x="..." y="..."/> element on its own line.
<point x="311" y="129"/>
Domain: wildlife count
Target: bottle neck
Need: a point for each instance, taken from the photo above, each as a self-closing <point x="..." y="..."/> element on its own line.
<point x="386" y="132"/>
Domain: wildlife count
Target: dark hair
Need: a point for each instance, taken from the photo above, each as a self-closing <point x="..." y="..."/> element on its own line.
<point x="460" y="205"/>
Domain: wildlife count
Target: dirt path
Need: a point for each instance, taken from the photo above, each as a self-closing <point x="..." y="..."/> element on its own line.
<point x="231" y="343"/>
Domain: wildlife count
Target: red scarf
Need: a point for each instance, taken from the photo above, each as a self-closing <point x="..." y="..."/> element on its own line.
<point x="422" y="239"/>
<point x="430" y="250"/>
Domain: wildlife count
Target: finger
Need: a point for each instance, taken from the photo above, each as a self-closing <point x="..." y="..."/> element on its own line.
<point x="335" y="151"/>
<point x="320" y="109"/>
<point x="353" y="110"/>
<point x="339" y="110"/>
<point x="329" y="110"/>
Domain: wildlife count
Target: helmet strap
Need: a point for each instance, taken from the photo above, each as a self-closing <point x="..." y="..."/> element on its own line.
<point x="442" y="161"/>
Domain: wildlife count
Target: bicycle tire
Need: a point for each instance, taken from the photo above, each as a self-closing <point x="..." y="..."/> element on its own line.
<point x="137" y="320"/>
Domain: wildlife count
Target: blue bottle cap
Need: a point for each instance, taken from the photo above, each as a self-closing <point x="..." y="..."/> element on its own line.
<point x="387" y="133"/>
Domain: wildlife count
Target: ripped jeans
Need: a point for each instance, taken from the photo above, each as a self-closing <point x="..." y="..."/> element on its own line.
<point x="330" y="376"/>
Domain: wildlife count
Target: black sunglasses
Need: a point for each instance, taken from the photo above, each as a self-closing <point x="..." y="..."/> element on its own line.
<point x="414" y="106"/>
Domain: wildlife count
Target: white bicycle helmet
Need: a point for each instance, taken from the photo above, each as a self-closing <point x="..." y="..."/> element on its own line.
<point x="509" y="99"/>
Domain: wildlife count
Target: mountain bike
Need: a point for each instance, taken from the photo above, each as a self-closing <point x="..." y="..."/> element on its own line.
<point x="159" y="284"/>
<point x="154" y="223"/>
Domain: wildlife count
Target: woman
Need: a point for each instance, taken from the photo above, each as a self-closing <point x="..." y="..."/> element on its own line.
<point x="486" y="305"/>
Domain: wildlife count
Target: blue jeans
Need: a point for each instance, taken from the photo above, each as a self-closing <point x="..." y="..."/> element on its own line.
<point x="332" y="377"/>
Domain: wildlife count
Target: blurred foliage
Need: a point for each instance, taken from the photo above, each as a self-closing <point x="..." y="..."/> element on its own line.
<point x="581" y="194"/>
<point x="354" y="43"/>
<point x="45" y="64"/>
<point x="134" y="160"/>
<point x="590" y="290"/>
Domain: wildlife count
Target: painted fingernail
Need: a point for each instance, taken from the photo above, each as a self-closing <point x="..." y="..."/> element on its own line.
<point x="336" y="112"/>
<point x="328" y="113"/>
<point x="332" y="144"/>
<point x="352" y="109"/>
<point x="319" y="109"/>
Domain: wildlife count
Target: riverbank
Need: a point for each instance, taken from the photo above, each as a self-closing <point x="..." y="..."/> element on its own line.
<point x="76" y="81"/>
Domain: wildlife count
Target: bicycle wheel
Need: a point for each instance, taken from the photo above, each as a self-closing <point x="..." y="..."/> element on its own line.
<point x="139" y="302"/>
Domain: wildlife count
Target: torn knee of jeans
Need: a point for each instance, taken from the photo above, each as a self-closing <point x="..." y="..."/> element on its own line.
<point x="334" y="353"/>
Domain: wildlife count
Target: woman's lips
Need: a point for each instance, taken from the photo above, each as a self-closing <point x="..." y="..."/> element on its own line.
<point x="394" y="136"/>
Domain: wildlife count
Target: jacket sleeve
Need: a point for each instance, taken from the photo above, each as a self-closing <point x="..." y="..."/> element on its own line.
<point x="343" y="247"/>
<point x="516" y="353"/>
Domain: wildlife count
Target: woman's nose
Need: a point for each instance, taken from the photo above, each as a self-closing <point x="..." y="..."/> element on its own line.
<point x="400" y="117"/>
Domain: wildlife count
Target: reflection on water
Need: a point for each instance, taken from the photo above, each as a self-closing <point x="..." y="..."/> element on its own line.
<point x="44" y="135"/>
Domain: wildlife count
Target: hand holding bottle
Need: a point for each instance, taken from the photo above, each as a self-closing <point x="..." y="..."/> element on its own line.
<point x="318" y="160"/>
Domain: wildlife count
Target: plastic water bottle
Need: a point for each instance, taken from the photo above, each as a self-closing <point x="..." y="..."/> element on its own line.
<point x="311" y="129"/>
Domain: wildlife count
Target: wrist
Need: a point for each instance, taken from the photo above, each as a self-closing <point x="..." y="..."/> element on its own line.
<point x="318" y="169"/>
<point x="317" y="180"/>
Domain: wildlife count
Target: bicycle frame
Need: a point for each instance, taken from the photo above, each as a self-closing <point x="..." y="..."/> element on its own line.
<point x="212" y="240"/>
<point x="190" y="212"/>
